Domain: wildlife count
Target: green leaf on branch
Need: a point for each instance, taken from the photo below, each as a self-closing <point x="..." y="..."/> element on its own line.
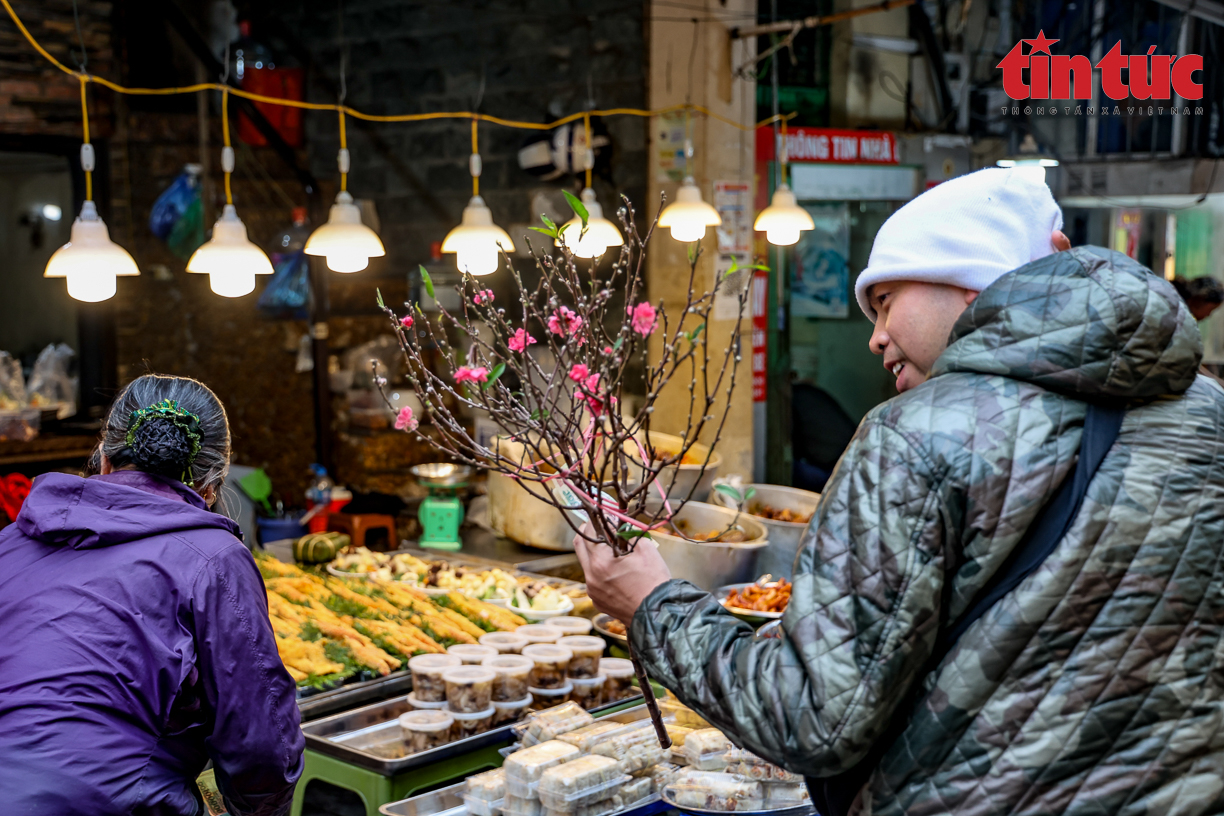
<point x="735" y="495"/>
<point x="428" y="281"/>
<point x="693" y="249"/>
<point x="630" y="533"/>
<point x="735" y="267"/>
<point x="544" y="231"/>
<point x="539" y="414"/>
<point x="378" y="297"/>
<point x="497" y="371"/>
<point x="751" y="492"/>
<point x="695" y="333"/>
<point x="620" y="341"/>
<point x="578" y="207"/>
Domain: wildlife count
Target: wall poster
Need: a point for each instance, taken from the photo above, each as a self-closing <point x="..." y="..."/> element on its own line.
<point x="820" y="274"/>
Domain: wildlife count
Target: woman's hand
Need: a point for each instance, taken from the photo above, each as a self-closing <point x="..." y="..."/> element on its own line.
<point x="618" y="586"/>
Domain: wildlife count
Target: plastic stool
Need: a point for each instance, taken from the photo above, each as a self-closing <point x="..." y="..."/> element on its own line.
<point x="359" y="527"/>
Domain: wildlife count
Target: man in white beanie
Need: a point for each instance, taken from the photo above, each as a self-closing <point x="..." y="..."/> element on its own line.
<point x="1008" y="600"/>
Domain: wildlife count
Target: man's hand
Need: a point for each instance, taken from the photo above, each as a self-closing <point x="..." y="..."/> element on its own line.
<point x="617" y="586"/>
<point x="1060" y="241"/>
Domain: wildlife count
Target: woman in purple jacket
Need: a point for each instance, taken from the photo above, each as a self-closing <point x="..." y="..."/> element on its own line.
<point x="134" y="636"/>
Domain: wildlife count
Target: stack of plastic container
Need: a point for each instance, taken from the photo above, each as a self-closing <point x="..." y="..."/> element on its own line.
<point x="586" y="681"/>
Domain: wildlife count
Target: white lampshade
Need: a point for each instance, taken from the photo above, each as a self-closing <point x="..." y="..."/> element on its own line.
<point x="688" y="216"/>
<point x="476" y="240"/>
<point x="90" y="260"/>
<point x="600" y="234"/>
<point x="347" y="243"/>
<point x="229" y="258"/>
<point x="783" y="219"/>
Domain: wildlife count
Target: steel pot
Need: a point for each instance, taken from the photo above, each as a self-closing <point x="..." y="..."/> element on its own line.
<point x="712" y="565"/>
<point x="778" y="559"/>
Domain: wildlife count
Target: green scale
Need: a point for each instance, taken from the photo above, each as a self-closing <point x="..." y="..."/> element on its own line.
<point x="441" y="512"/>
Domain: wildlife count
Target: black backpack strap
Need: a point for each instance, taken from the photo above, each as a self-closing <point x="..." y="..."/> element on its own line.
<point x="833" y="795"/>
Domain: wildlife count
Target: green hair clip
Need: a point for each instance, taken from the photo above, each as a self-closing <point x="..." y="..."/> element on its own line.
<point x="181" y="418"/>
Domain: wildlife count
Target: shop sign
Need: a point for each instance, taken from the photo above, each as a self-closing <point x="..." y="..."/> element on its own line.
<point x="830" y="145"/>
<point x="760" y="333"/>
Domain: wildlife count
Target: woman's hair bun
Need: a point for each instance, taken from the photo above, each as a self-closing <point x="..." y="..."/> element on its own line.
<point x="162" y="447"/>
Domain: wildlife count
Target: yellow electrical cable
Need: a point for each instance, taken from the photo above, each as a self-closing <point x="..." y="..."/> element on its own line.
<point x="85" y="132"/>
<point x="586" y="124"/>
<point x="225" y="138"/>
<point x="475" y="152"/>
<point x="343" y="146"/>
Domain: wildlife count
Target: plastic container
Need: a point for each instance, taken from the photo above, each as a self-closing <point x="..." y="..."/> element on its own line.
<point x="706" y="750"/>
<point x="513" y="676"/>
<point x="550" y="698"/>
<point x="747" y="764"/>
<point x="660" y="775"/>
<point x="512" y="711"/>
<point x="424" y="730"/>
<point x="524" y="768"/>
<point x="588" y="693"/>
<point x="504" y="642"/>
<point x="551" y="665"/>
<point x="605" y="807"/>
<point x="586" y="737"/>
<point x="678" y="734"/>
<point x="421" y="705"/>
<point x="486" y="793"/>
<point x="635" y="790"/>
<point x="571" y="625"/>
<point x="587" y="652"/>
<point x="715" y="791"/>
<point x="539" y="633"/>
<point x="469" y="689"/>
<point x="620" y="674"/>
<point x="471" y="654"/>
<point x="786" y="795"/>
<point x="469" y="725"/>
<point x="549" y="723"/>
<point x="636" y="748"/>
<point x="522" y="806"/>
<point x="584" y="781"/>
<point x="427" y="671"/>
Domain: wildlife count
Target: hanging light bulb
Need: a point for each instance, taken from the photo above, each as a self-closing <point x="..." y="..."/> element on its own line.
<point x="347" y="243"/>
<point x="600" y="232"/>
<point x="688" y="216"/>
<point x="476" y="240"/>
<point x="783" y="219"/>
<point x="229" y="258"/>
<point x="90" y="260"/>
<point x="1030" y="160"/>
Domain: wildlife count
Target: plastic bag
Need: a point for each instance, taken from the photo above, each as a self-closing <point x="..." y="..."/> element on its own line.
<point x="288" y="293"/>
<point x="174" y="201"/>
<point x="12" y="383"/>
<point x="52" y="384"/>
<point x="188" y="233"/>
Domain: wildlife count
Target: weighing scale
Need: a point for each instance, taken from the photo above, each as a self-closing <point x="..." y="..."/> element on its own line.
<point x="441" y="511"/>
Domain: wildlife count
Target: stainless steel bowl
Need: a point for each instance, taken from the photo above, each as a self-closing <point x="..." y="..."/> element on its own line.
<point x="441" y="474"/>
<point x="601" y="622"/>
<point x="710" y="565"/>
<point x="784" y="536"/>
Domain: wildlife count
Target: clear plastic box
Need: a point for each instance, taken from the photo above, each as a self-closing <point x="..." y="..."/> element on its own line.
<point x="579" y="782"/>
<point x="469" y="725"/>
<point x="486" y="793"/>
<point x="635" y="790"/>
<point x="427" y="671"/>
<point x="586" y="652"/>
<point x="472" y="654"/>
<point x="513" y="675"/>
<point x="635" y="748"/>
<point x="705" y="749"/>
<point x="507" y="712"/>
<point x="504" y="642"/>
<point x="745" y="763"/>
<point x="469" y="689"/>
<point x="659" y="775"/>
<point x="525" y="767"/>
<point x="715" y="791"/>
<point x="586" y="737"/>
<point x="784" y="795"/>
<point x="550" y="698"/>
<point x="606" y="807"/>
<point x="425" y="730"/>
<point x="515" y="806"/>
<point x="551" y="723"/>
<point x="551" y="664"/>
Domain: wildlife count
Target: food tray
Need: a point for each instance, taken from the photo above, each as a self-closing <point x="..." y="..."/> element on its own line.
<point x="471" y="562"/>
<point x="356" y="736"/>
<point x="799" y="810"/>
<point x="749" y="615"/>
<point x="600" y="622"/>
<point x="448" y="801"/>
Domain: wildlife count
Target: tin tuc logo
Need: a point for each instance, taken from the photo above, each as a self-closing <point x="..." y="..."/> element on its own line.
<point x="1059" y="77"/>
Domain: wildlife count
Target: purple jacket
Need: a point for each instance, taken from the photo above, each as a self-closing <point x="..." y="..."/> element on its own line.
<point x="134" y="647"/>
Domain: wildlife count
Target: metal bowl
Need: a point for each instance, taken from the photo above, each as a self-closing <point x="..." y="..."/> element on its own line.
<point x="441" y="474"/>
<point x="793" y="810"/>
<point x="600" y="622"/>
<point x="749" y="615"/>
<point x="710" y="565"/>
<point x="784" y="536"/>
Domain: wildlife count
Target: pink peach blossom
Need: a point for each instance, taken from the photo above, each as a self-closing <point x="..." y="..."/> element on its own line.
<point x="482" y="297"/>
<point x="579" y="372"/>
<point x="565" y="323"/>
<point x="644" y="318"/>
<point x="520" y="341"/>
<point x="405" y="421"/>
<point x="406" y="321"/>
<point x="477" y="374"/>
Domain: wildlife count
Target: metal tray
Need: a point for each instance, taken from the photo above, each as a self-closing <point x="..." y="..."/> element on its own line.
<point x="798" y="810"/>
<point x="365" y="736"/>
<point x="448" y="801"/>
<point x="749" y="615"/>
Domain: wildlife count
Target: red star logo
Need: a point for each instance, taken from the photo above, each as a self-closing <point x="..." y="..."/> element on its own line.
<point x="1040" y="43"/>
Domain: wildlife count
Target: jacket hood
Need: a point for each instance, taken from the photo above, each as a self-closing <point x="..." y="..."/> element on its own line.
<point x="102" y="511"/>
<point x="1088" y="323"/>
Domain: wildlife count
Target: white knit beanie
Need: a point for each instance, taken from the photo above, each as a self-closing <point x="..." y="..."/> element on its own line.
<point x="966" y="232"/>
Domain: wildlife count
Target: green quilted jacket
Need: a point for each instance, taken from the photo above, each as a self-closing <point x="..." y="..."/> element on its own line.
<point x="1097" y="685"/>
